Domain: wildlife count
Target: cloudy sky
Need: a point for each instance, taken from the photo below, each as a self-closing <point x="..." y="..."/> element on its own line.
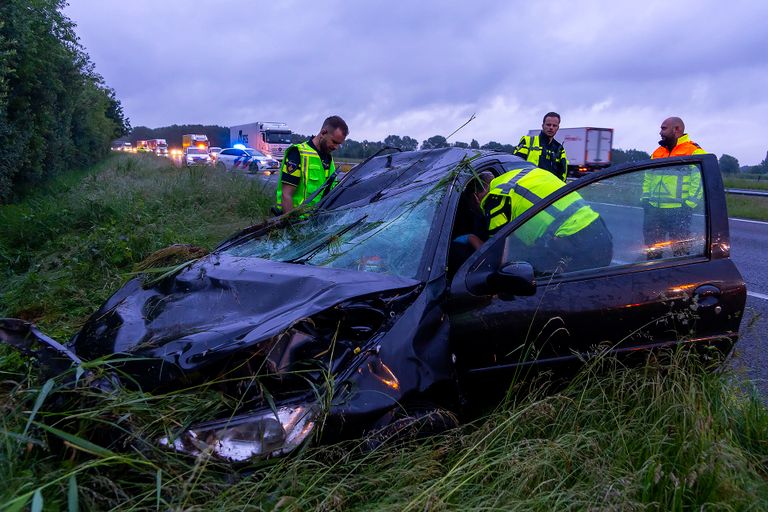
<point x="423" y="68"/>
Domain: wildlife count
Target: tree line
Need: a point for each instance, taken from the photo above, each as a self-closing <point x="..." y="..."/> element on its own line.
<point x="354" y="149"/>
<point x="56" y="112"/>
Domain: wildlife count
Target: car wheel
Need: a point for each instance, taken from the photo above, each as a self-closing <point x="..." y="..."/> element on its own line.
<point x="221" y="167"/>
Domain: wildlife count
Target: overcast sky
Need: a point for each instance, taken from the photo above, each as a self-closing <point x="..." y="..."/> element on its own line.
<point x="423" y="68"/>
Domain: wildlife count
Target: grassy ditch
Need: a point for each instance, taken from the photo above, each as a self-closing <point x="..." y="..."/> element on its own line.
<point x="666" y="437"/>
<point x="669" y="436"/>
<point x="66" y="248"/>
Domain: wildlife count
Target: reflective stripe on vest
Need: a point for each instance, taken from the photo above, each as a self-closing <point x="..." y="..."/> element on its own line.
<point x="313" y="175"/>
<point x="569" y="218"/>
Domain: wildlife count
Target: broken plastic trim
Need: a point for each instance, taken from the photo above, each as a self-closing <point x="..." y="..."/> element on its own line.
<point x="262" y="434"/>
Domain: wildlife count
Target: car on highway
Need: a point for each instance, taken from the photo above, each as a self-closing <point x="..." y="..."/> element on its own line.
<point x="214" y="152"/>
<point x="246" y="159"/>
<point x="354" y="317"/>
<point x="195" y="156"/>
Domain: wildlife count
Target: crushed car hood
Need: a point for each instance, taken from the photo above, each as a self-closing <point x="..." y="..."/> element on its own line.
<point x="219" y="306"/>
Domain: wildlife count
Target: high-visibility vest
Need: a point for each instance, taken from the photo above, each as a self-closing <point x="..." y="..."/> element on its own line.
<point x="531" y="149"/>
<point x="674" y="190"/>
<point x="312" y="174"/>
<point x="512" y="193"/>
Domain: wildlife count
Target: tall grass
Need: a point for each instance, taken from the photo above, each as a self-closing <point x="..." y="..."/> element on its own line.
<point x="665" y="437"/>
<point x="669" y="436"/>
<point x="65" y="249"/>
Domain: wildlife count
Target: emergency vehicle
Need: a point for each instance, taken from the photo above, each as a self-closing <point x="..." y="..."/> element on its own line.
<point x="271" y="138"/>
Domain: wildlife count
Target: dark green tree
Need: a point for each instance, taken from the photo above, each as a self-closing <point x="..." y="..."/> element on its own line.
<point x="620" y="156"/>
<point x="459" y="144"/>
<point x="434" y="142"/>
<point x="56" y="113"/>
<point x="474" y="144"/>
<point x="728" y="164"/>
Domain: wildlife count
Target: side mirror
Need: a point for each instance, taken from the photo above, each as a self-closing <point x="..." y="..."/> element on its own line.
<point x="514" y="278"/>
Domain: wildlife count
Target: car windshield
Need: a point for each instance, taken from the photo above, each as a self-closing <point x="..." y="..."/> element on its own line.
<point x="386" y="236"/>
<point x="278" y="137"/>
<point x="196" y="151"/>
<point x="254" y="152"/>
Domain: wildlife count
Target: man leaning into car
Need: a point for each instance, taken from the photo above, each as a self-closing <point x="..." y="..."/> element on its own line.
<point x="307" y="165"/>
<point x="568" y="232"/>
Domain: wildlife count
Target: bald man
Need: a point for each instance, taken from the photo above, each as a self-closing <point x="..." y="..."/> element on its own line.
<point x="674" y="141"/>
<point x="670" y="198"/>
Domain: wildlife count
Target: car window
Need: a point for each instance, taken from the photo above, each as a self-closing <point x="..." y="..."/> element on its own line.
<point x="385" y="236"/>
<point x="228" y="152"/>
<point x="254" y="152"/>
<point x="629" y="219"/>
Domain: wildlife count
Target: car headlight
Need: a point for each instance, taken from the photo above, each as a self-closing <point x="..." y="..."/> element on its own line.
<point x="266" y="433"/>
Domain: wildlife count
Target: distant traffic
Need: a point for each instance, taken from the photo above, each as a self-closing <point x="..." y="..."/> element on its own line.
<point x="257" y="148"/>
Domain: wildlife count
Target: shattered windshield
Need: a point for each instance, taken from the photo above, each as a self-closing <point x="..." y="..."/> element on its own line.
<point x="386" y="236"/>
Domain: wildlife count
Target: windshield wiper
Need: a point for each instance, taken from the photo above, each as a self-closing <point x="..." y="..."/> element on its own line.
<point x="325" y="242"/>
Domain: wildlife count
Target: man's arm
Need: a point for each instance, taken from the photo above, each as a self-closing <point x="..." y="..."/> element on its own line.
<point x="290" y="178"/>
<point x="564" y="164"/>
<point x="287" y="200"/>
<point x="522" y="148"/>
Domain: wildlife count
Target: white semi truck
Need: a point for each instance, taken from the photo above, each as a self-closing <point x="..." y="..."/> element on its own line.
<point x="587" y="148"/>
<point x="271" y="138"/>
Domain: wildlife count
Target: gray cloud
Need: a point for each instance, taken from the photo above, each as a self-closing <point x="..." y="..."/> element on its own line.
<point x="422" y="68"/>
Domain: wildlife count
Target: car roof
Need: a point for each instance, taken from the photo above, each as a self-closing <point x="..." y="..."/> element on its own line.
<point x="388" y="174"/>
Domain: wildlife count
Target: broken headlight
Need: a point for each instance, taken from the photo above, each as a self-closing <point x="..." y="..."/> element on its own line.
<point x="262" y="434"/>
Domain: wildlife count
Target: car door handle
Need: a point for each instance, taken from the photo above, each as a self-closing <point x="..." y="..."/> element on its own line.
<point x="708" y="296"/>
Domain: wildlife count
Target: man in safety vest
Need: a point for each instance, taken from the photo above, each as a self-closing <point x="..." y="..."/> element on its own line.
<point x="669" y="198"/>
<point x="307" y="165"/>
<point x="567" y="235"/>
<point x="543" y="150"/>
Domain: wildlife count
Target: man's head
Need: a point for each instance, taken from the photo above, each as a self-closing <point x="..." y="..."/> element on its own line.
<point x="672" y="128"/>
<point x="332" y="134"/>
<point x="479" y="186"/>
<point x="550" y="124"/>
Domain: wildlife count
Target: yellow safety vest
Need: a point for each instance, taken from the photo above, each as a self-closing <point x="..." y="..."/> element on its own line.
<point x="531" y="149"/>
<point x="311" y="175"/>
<point x="512" y="193"/>
<point x="674" y="190"/>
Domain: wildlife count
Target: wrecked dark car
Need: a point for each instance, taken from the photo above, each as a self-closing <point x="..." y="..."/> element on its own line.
<point x="350" y="319"/>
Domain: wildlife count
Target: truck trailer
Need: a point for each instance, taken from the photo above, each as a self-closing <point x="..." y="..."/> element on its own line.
<point x="158" y="146"/>
<point x="196" y="140"/>
<point x="588" y="149"/>
<point x="271" y="138"/>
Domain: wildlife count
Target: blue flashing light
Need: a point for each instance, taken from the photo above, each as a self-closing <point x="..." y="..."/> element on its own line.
<point x="239" y="146"/>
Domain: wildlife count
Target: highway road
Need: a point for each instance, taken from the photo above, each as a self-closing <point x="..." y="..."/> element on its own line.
<point x="749" y="249"/>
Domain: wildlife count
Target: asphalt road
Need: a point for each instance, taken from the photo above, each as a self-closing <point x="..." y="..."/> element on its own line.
<point x="749" y="250"/>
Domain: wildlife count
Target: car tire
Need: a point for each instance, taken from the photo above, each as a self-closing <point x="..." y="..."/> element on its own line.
<point x="221" y="167"/>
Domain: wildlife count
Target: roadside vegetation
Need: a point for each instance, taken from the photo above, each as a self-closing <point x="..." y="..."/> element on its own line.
<point x="747" y="207"/>
<point x="669" y="436"/>
<point x="748" y="181"/>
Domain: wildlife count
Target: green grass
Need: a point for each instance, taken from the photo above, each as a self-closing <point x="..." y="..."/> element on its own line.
<point x="666" y="437"/>
<point x="67" y="248"/>
<point x="669" y="436"/>
<point x="747" y="207"/>
<point x="755" y="182"/>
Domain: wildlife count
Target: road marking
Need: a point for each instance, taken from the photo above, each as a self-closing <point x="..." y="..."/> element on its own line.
<point x="748" y="220"/>
<point x="758" y="295"/>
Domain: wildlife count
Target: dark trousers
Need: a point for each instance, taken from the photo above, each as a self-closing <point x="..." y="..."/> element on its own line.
<point x="667" y="228"/>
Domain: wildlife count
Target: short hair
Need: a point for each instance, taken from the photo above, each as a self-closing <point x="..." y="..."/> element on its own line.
<point x="550" y="114"/>
<point x="334" y="123"/>
<point x="479" y="182"/>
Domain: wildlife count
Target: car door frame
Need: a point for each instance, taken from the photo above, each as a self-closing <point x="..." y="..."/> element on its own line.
<point x="462" y="303"/>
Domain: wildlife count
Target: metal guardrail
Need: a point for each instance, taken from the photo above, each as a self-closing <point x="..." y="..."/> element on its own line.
<point x="746" y="192"/>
